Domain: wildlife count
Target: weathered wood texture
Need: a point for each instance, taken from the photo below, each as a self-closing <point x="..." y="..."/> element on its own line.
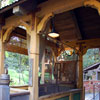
<point x="34" y="60"/>
<point x="58" y="6"/>
<point x="59" y="96"/>
<point x="16" y="49"/>
<point x="2" y="54"/>
<point x="48" y="89"/>
<point x="14" y="21"/>
<point x="89" y="22"/>
<point x="65" y="26"/>
<point x="65" y="72"/>
<point x="19" y="32"/>
<point x="80" y="68"/>
<point x="24" y="87"/>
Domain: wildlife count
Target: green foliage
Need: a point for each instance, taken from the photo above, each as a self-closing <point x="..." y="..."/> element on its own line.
<point x="68" y="55"/>
<point x="91" y="57"/>
<point x="18" y="68"/>
<point x="4" y="3"/>
<point x="18" y="65"/>
<point x="11" y="1"/>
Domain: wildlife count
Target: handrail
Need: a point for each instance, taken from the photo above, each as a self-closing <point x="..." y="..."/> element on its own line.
<point x="60" y="95"/>
<point x="18" y="92"/>
<point x="25" y="87"/>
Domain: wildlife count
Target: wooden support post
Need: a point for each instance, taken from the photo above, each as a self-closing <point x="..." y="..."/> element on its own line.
<point x="50" y="63"/>
<point x="2" y="53"/>
<point x="43" y="67"/>
<point x="34" y="61"/>
<point x="80" y="69"/>
<point x="71" y="96"/>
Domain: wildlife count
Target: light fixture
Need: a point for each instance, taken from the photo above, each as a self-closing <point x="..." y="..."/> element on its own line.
<point x="53" y="32"/>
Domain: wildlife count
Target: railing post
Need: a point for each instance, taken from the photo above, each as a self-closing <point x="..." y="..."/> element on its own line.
<point x="83" y="94"/>
<point x="4" y="87"/>
<point x="93" y="92"/>
<point x="99" y="93"/>
<point x="71" y="96"/>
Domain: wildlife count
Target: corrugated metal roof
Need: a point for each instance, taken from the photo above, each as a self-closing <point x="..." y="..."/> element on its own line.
<point x="13" y="4"/>
<point x="5" y="4"/>
<point x="92" y="67"/>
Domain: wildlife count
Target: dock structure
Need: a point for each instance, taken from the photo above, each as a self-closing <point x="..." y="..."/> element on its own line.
<point x="77" y="26"/>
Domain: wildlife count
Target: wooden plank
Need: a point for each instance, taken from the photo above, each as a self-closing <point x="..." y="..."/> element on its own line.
<point x="24" y="87"/>
<point x="18" y="35"/>
<point x="59" y="95"/>
<point x="58" y="6"/>
<point x="16" y="49"/>
<point x="78" y="34"/>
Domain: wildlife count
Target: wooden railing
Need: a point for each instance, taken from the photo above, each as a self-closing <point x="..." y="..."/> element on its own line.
<point x="19" y="94"/>
<point x="47" y="89"/>
<point x="75" y="94"/>
<point x="24" y="87"/>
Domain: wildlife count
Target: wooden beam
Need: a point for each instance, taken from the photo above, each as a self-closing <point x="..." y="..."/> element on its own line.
<point x="24" y="87"/>
<point x="91" y="43"/>
<point x="34" y="61"/>
<point x="2" y="54"/>
<point x="19" y="32"/>
<point x="80" y="68"/>
<point x="16" y="49"/>
<point x="58" y="6"/>
<point x="78" y="34"/>
<point x="93" y="3"/>
<point x="18" y="35"/>
<point x="16" y="21"/>
<point x="6" y="35"/>
<point x="42" y="25"/>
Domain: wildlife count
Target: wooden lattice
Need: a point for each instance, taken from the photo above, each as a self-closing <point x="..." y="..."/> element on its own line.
<point x="65" y="71"/>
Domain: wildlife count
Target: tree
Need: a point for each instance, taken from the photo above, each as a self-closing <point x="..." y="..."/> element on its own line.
<point x="19" y="64"/>
<point x="91" y="57"/>
<point x="4" y="3"/>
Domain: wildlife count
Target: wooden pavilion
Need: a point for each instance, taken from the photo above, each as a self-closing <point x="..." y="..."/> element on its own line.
<point x="76" y="21"/>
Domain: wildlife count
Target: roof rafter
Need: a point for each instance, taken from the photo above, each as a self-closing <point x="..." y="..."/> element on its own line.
<point x="58" y="6"/>
<point x="79" y="35"/>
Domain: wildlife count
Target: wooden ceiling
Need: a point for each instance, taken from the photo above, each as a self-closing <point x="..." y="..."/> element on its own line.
<point x="80" y="24"/>
<point x="19" y="32"/>
<point x="66" y="27"/>
<point x="89" y="22"/>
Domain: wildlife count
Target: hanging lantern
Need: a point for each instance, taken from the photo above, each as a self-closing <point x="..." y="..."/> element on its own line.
<point x="53" y="32"/>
